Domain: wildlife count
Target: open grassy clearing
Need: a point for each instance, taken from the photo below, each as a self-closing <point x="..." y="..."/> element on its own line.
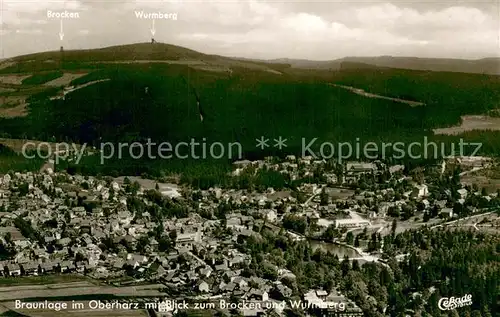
<point x="83" y="313"/>
<point x="67" y="287"/>
<point x="41" y="280"/>
<point x="5" y="64"/>
<point x="470" y="123"/>
<point x="42" y="78"/>
<point x="13" y="106"/>
<point x="339" y="193"/>
<point x="14" y="111"/>
<point x="173" y="62"/>
<point x="212" y="68"/>
<point x="491" y="219"/>
<point x="13" y="79"/>
<point x="145" y="183"/>
<point x="488" y="178"/>
<point x="13" y="231"/>
<point x="65" y="79"/>
<point x="73" y="312"/>
<point x="19" y="90"/>
<point x="17" y="144"/>
<point x="201" y="313"/>
<point x="491" y="185"/>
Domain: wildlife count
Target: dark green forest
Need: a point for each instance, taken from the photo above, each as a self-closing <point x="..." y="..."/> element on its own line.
<point x="447" y="95"/>
<point x="237" y="108"/>
<point x="13" y="161"/>
<point x="440" y="264"/>
<point x="159" y="102"/>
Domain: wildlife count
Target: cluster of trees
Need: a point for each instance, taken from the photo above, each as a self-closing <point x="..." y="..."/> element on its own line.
<point x="6" y="249"/>
<point x="440" y="264"/>
<point x="27" y="230"/>
<point x="295" y="223"/>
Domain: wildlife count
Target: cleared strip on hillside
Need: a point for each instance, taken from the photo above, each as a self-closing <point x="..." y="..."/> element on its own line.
<point x="12" y="106"/>
<point x="13" y="79"/>
<point x="42" y="78"/>
<point x="65" y="79"/>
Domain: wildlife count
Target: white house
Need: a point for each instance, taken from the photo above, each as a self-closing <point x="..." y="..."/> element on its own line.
<point x="462" y="192"/>
<point x="420" y="191"/>
<point x="186" y="240"/>
<point x="446" y="213"/>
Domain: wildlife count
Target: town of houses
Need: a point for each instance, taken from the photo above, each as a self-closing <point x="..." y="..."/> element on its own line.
<point x="56" y="223"/>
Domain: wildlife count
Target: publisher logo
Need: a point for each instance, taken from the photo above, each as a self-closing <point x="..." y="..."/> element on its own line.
<point x="449" y="303"/>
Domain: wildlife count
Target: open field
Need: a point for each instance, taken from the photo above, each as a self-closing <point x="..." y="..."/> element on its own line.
<point x="42" y="78"/>
<point x="13" y="79"/>
<point x="220" y="65"/>
<point x="491" y="185"/>
<point x="483" y="229"/>
<point x="24" y="91"/>
<point x="490" y="224"/>
<point x="150" y="184"/>
<point x="488" y="220"/>
<point x="274" y="71"/>
<point x="5" y="64"/>
<point x="339" y="193"/>
<point x="13" y="106"/>
<point x="65" y="79"/>
<point x="75" y="289"/>
<point x="14" y="233"/>
<point x="403" y="226"/>
<point x="470" y="123"/>
<point x="212" y="68"/>
<point x="75" y="312"/>
<point x="488" y="178"/>
<point x="17" y="144"/>
<point x="173" y="62"/>
<point x="31" y="281"/>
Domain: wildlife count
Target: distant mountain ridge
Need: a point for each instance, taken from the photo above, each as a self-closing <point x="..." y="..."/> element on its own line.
<point x="490" y="66"/>
<point x="162" y="51"/>
<point x="130" y="53"/>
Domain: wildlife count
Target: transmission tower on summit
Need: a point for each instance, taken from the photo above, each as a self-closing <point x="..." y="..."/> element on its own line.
<point x="61" y="57"/>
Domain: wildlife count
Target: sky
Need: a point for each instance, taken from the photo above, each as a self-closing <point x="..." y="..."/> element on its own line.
<point x="264" y="29"/>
